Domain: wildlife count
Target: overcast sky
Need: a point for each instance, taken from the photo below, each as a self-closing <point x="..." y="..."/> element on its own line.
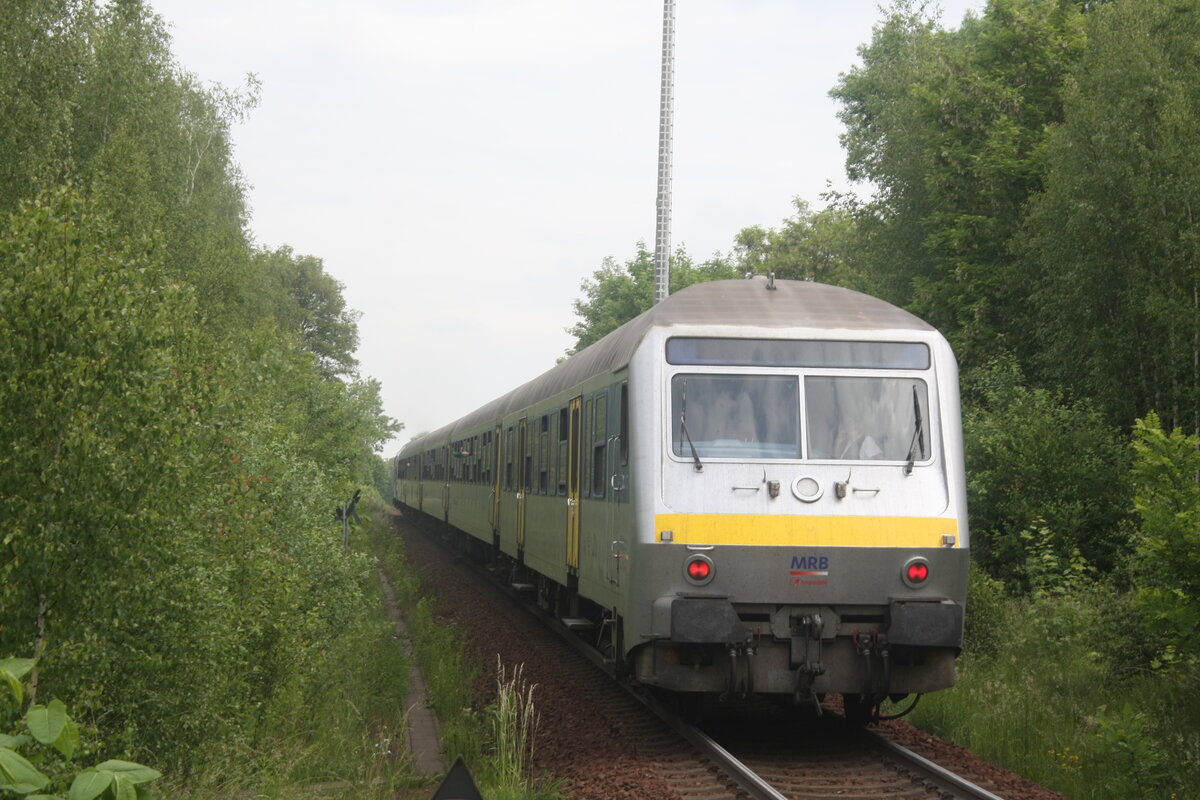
<point x="462" y="165"/>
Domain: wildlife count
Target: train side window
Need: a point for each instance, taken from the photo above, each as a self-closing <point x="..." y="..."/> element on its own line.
<point x="543" y="451"/>
<point x="561" y="461"/>
<point x="535" y="457"/>
<point x="489" y="464"/>
<point x="600" y="445"/>
<point x="598" y="470"/>
<point x="585" y="434"/>
<point x="508" y="459"/>
<point x="623" y="425"/>
<point x="527" y="454"/>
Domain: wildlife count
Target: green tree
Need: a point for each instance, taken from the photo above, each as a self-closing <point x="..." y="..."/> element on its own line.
<point x="1114" y="239"/>
<point x="1040" y="466"/>
<point x="167" y="543"/>
<point x="43" y="49"/>
<point x="616" y="293"/>
<point x="302" y="297"/>
<point x="810" y="246"/>
<point x="103" y="371"/>
<point x="1167" y="500"/>
<point x="949" y="127"/>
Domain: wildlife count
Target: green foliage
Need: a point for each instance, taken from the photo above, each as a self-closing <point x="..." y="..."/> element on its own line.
<point x="182" y="412"/>
<point x="514" y="721"/>
<point x="1167" y="500"/>
<point x="42" y="54"/>
<point x="496" y="741"/>
<point x="1123" y="740"/>
<point x="949" y="127"/>
<point x="810" y="246"/>
<point x="304" y="298"/>
<point x="1081" y="744"/>
<point x="1038" y="463"/>
<point x="334" y="730"/>
<point x="1111" y="243"/>
<point x="616" y="294"/>
<point x="168" y="544"/>
<point x="983" y="625"/>
<point x="51" y="727"/>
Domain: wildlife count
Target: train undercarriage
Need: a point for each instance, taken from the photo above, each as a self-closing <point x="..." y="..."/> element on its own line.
<point x="719" y="652"/>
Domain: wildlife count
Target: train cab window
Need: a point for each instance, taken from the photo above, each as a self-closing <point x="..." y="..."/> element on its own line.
<point x="735" y="416"/>
<point x="867" y="419"/>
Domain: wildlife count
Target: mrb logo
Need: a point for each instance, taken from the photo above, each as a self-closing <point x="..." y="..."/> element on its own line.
<point x="810" y="564"/>
<point x="809" y="571"/>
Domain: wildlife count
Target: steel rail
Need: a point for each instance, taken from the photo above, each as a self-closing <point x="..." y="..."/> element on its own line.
<point x="746" y="779"/>
<point x="951" y="784"/>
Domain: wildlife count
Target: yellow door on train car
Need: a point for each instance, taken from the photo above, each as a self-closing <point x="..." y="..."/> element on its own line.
<point x="522" y="479"/>
<point x="574" y="442"/>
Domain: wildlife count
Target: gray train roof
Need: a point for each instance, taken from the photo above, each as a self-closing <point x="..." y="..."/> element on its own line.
<point x="793" y="304"/>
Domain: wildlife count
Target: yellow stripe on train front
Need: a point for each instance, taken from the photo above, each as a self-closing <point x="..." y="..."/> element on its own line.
<point x="805" y="531"/>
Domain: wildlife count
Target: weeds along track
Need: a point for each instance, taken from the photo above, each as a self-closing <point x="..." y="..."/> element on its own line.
<point x="605" y="743"/>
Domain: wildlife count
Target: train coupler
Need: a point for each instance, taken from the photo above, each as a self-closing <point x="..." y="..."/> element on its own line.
<point x="806" y="630"/>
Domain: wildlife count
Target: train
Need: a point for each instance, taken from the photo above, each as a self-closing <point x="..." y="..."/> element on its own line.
<point x="754" y="488"/>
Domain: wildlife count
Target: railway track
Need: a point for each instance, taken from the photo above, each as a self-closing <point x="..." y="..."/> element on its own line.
<point x="790" y="758"/>
<point x="827" y="760"/>
<point x="621" y="743"/>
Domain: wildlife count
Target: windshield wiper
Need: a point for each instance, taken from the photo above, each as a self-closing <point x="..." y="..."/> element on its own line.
<point x="683" y="429"/>
<point x="918" y="440"/>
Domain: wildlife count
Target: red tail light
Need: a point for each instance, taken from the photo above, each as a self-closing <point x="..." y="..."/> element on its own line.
<point x="916" y="572"/>
<point x="699" y="569"/>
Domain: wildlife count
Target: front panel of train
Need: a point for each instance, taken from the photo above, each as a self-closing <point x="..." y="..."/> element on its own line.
<point x="809" y="531"/>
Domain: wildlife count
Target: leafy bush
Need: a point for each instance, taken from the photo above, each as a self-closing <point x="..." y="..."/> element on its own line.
<point x="1038" y="461"/>
<point x="983" y="628"/>
<point x="1167" y="564"/>
<point x="1082" y="744"/>
<point x="169" y="549"/>
<point x="57" y="737"/>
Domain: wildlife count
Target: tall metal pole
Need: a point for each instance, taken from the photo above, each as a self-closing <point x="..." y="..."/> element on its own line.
<point x="662" y="230"/>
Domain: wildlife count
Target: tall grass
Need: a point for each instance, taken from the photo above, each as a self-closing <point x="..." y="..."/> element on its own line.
<point x="514" y="730"/>
<point x="333" y="735"/>
<point x="496" y="742"/>
<point x="1053" y="692"/>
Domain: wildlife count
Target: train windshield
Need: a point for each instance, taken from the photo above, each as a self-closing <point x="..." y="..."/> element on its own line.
<point x="850" y="418"/>
<point x="867" y="419"/>
<point x="736" y="416"/>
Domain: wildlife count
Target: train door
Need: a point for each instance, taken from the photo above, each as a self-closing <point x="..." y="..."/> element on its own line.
<point x="522" y="480"/>
<point x="495" y="511"/>
<point x="574" y="443"/>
